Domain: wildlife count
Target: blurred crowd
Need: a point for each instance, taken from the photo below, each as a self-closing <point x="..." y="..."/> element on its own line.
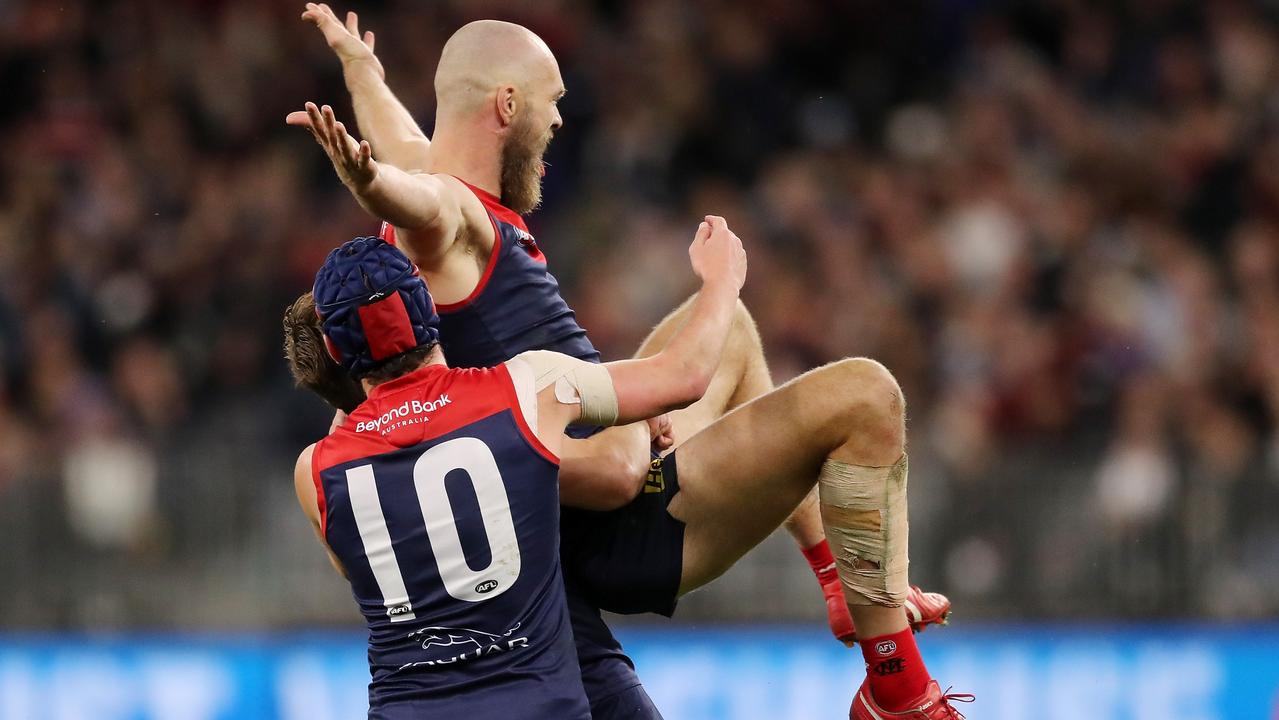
<point x="1056" y="221"/>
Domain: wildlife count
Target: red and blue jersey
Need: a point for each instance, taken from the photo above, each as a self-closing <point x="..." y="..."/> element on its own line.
<point x="517" y="307"/>
<point x="443" y="508"/>
<point x="514" y="308"/>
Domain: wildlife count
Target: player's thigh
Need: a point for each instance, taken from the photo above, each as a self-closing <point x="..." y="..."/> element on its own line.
<point x="687" y="422"/>
<point x="742" y="475"/>
<point x="741" y="374"/>
<point x="736" y="382"/>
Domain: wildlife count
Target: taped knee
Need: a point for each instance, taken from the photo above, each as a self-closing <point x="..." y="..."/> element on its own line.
<point x="864" y="511"/>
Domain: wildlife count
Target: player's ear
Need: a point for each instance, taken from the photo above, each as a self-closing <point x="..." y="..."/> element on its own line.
<point x="507" y="105"/>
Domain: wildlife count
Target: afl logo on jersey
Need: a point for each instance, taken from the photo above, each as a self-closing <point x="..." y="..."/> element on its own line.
<point x="397" y="610"/>
<point x="486" y="587"/>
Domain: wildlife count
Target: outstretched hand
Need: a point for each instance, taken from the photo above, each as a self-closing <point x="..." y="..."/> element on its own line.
<point x="345" y="39"/>
<point x="717" y="255"/>
<point x="352" y="160"/>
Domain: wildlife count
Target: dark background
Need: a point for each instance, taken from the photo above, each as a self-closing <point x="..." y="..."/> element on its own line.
<point x="1057" y="222"/>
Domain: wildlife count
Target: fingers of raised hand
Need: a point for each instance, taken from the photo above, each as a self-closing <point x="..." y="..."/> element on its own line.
<point x="318" y="14"/>
<point x="703" y="232"/>
<point x="316" y="122"/>
<point x="346" y="144"/>
<point x="330" y="121"/>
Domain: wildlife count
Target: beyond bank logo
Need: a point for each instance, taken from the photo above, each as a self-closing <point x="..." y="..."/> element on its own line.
<point x="411" y="412"/>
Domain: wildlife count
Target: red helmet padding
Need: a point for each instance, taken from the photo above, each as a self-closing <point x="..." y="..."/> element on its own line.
<point x="395" y="331"/>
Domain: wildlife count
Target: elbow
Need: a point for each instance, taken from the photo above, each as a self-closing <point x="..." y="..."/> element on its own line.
<point x="622" y="477"/>
<point x="610" y="475"/>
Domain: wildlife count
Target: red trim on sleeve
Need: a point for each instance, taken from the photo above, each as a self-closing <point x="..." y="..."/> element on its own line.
<point x="513" y="399"/>
<point x="484" y="279"/>
<point x="320" y="502"/>
<point x="494" y="205"/>
<point x="534" y="251"/>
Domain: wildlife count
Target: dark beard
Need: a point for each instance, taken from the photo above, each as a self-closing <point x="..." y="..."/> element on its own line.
<point x="521" y="169"/>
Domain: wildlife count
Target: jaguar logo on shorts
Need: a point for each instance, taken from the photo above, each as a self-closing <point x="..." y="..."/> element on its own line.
<point x="655" y="483"/>
<point x="885" y="647"/>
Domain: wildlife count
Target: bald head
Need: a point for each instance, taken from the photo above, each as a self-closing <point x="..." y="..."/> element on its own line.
<point x="496" y="90"/>
<point x="486" y="56"/>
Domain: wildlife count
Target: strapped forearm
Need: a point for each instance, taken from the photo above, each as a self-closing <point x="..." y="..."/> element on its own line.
<point x="384" y="121"/>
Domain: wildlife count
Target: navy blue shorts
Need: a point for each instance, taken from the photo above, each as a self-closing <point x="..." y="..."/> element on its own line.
<point x="629" y="560"/>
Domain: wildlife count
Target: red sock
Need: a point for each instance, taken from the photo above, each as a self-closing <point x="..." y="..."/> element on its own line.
<point x="895" y="669"/>
<point x="822" y="562"/>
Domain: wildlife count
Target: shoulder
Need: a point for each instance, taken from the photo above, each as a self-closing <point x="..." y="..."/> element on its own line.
<point x="472" y="214"/>
<point x="304" y="486"/>
<point x="460" y="221"/>
<point x="302" y="469"/>
<point x="547" y="366"/>
<point x="543" y="361"/>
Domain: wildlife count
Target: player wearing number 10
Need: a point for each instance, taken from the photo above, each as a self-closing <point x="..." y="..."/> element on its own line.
<point x="437" y="497"/>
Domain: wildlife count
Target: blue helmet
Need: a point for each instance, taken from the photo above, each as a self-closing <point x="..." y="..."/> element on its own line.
<point x="373" y="305"/>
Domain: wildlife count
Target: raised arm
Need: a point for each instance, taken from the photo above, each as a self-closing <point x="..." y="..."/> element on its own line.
<point x="426" y="206"/>
<point x="574" y="391"/>
<point x="680" y="374"/>
<point x="382" y="118"/>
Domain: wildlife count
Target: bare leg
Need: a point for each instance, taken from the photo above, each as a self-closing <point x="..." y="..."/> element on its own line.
<point x="843" y="426"/>
<point x="742" y="362"/>
<point x="742" y="376"/>
<point x="774" y="448"/>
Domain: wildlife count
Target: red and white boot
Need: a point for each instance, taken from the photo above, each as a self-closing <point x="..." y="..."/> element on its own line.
<point x="922" y="608"/>
<point x="932" y="705"/>
<point x="926" y="608"/>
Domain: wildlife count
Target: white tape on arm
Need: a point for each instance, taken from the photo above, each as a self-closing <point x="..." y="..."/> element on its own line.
<point x="576" y="382"/>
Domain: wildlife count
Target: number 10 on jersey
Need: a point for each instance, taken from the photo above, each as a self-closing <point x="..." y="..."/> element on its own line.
<point x="460" y="580"/>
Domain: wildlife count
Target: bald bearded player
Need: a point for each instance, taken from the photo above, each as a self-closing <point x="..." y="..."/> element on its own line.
<point x="497" y="86"/>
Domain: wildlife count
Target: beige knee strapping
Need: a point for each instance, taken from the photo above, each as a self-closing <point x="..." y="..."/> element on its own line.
<point x="864" y="511"/>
